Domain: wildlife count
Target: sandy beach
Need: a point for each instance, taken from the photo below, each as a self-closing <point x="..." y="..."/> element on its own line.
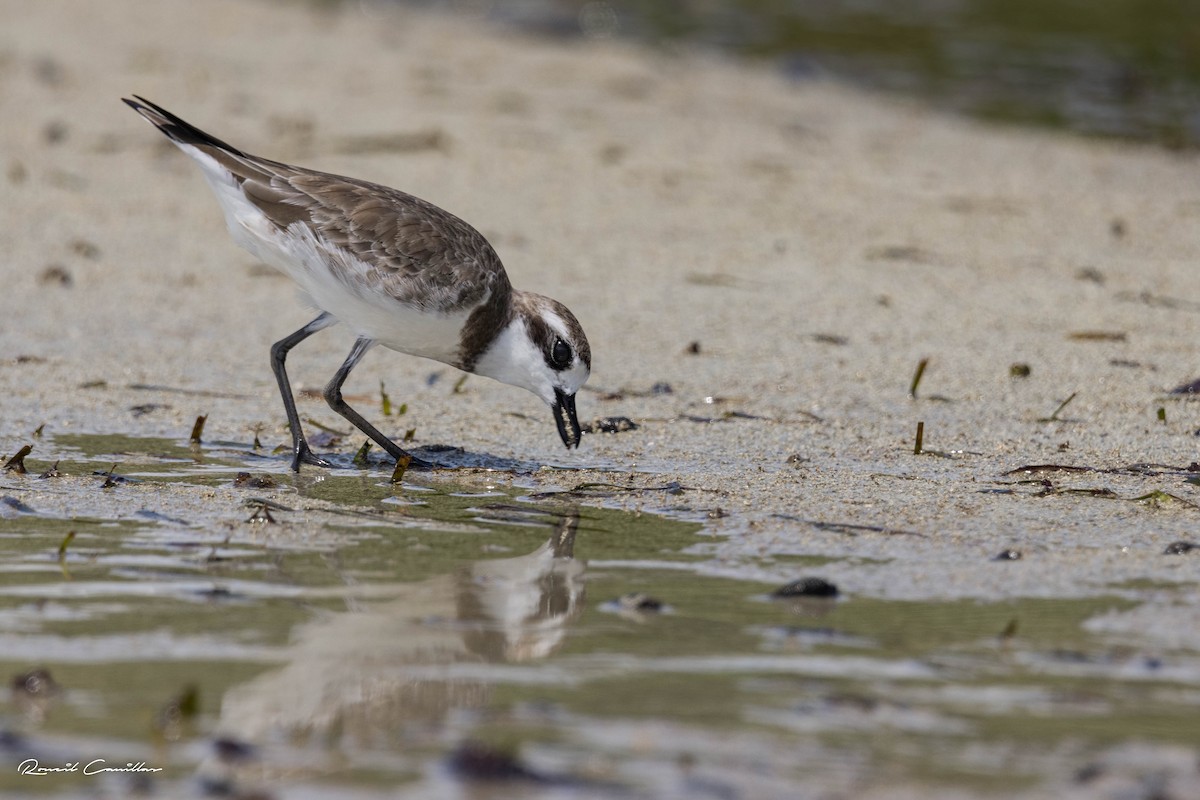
<point x="815" y="243"/>
<point x="776" y="257"/>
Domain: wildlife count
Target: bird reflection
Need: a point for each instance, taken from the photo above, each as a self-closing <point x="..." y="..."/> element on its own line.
<point x="379" y="673"/>
<point x="522" y="606"/>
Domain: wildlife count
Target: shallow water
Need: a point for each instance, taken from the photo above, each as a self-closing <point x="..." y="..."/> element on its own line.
<point x="1122" y="68"/>
<point x="461" y="635"/>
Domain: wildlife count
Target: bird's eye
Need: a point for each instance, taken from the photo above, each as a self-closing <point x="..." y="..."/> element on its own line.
<point x="560" y="354"/>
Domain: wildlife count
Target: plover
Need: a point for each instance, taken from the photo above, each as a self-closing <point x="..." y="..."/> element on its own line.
<point x="393" y="268"/>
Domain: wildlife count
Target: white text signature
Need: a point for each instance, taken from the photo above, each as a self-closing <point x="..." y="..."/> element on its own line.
<point x="96" y="766"/>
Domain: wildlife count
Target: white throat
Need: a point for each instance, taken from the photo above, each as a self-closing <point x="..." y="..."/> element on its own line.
<point x="513" y="358"/>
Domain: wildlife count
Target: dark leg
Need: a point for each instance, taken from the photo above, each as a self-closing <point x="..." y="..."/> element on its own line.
<point x="279" y="351"/>
<point x="333" y="396"/>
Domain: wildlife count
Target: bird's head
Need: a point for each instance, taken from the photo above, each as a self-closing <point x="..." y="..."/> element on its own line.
<point x="542" y="348"/>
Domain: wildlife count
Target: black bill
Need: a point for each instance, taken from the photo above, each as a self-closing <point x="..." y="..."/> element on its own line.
<point x="566" y="419"/>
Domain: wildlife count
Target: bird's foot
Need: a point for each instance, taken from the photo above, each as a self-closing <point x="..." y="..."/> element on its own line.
<point x="410" y="461"/>
<point x="306" y="456"/>
<point x="421" y="464"/>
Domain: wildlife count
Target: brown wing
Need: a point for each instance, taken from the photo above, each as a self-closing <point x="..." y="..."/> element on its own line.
<point x="414" y="251"/>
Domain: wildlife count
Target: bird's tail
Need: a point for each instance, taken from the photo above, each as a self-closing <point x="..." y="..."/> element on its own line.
<point x="175" y="128"/>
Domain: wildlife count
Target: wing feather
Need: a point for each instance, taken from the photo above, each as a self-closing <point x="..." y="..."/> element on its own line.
<point x="417" y="253"/>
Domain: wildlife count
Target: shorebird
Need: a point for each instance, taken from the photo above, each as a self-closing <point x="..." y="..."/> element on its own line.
<point x="394" y="269"/>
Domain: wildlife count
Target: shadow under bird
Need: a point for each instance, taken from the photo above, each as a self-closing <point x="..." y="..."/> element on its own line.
<point x="396" y="270"/>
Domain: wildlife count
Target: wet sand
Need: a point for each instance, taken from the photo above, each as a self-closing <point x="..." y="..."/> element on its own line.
<point x="815" y="242"/>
